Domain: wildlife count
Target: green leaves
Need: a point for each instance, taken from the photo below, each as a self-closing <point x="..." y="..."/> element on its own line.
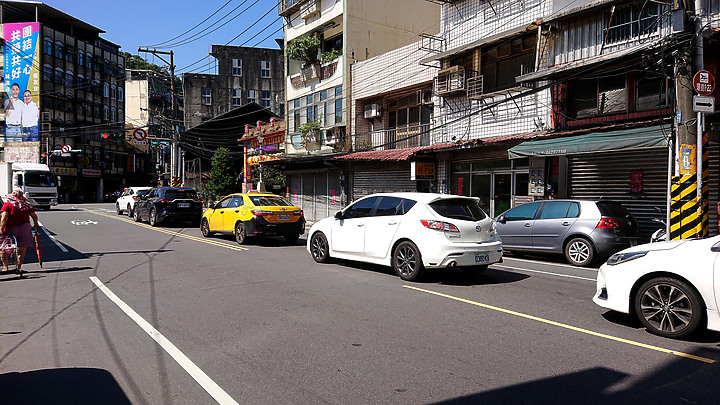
<point x="223" y="180"/>
<point x="304" y="49"/>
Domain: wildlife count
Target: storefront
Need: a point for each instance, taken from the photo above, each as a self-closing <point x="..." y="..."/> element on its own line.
<point x="629" y="166"/>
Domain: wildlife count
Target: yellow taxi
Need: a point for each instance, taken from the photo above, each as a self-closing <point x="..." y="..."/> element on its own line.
<point x="254" y="214"/>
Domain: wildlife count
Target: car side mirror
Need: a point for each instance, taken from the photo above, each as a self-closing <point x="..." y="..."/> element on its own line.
<point x="715" y="248"/>
<point x="501" y="219"/>
<point x="339" y="215"/>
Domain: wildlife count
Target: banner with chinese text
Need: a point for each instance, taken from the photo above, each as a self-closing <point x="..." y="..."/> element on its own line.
<point x="21" y="72"/>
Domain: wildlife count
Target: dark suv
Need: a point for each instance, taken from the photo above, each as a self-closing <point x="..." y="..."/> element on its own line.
<point x="580" y="229"/>
<point x="164" y="204"/>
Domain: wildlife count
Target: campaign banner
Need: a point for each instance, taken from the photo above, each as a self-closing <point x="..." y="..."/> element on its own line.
<point x="22" y="81"/>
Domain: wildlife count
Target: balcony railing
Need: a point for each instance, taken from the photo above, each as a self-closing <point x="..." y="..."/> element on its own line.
<point x="287" y="7"/>
<point x="394" y="138"/>
<point x="453" y="80"/>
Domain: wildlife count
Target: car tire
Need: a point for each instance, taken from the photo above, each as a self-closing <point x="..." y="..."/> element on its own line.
<point x="407" y="261"/>
<point x="136" y="215"/>
<point x="291" y="238"/>
<point x="319" y="248"/>
<point x="205" y="228"/>
<point x="579" y="252"/>
<point x="129" y="211"/>
<point x="669" y="307"/>
<point x="117" y="209"/>
<point x="240" y="235"/>
<point x="152" y="217"/>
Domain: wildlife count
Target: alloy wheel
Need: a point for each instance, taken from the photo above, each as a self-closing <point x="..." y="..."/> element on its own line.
<point x="406" y="261"/>
<point x="319" y="248"/>
<point x="666" y="308"/>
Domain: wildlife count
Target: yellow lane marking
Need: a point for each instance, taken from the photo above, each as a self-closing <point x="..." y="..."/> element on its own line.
<point x="174" y="233"/>
<point x="562" y="325"/>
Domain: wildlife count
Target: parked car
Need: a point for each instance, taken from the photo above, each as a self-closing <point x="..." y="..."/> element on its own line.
<point x="126" y="201"/>
<point x="582" y="230"/>
<point x="164" y="204"/>
<point x="254" y="214"/>
<point x="410" y="232"/>
<point x="672" y="287"/>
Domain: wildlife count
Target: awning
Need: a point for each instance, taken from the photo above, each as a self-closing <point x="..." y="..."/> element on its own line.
<point x="648" y="137"/>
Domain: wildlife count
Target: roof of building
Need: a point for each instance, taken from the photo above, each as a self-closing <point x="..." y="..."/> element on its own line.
<point x="24" y="11"/>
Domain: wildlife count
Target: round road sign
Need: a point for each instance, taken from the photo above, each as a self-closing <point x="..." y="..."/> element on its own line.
<point x="65" y="149"/>
<point x="139" y="134"/>
<point x="704" y="83"/>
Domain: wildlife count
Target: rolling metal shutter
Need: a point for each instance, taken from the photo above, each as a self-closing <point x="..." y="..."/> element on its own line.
<point x="607" y="175"/>
<point x="381" y="181"/>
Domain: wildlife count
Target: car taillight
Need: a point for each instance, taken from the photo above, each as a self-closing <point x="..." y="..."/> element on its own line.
<point x="134" y="197"/>
<point x="261" y="213"/>
<point x="607" y="223"/>
<point x="297" y="212"/>
<point x="439" y="225"/>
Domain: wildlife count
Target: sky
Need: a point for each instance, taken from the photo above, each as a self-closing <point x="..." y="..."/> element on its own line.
<point x="152" y="23"/>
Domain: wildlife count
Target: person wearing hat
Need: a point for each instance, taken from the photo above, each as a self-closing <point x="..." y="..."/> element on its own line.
<point x="15" y="217"/>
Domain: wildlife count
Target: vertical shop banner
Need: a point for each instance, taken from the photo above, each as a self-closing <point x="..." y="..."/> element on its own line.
<point x="22" y="81"/>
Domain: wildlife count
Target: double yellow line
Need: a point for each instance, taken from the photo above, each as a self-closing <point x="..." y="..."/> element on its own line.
<point x="174" y="233"/>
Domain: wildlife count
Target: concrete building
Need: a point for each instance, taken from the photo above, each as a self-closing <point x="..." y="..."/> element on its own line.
<point x="244" y="75"/>
<point x="81" y="97"/>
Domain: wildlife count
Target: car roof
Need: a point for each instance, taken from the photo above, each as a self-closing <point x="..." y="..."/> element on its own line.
<point x="421" y="197"/>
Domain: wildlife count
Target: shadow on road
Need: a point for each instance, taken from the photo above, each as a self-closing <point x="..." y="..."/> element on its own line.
<point x="76" y="386"/>
<point x="631" y="321"/>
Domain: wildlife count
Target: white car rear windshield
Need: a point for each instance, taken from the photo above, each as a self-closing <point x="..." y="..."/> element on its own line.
<point x="459" y="208"/>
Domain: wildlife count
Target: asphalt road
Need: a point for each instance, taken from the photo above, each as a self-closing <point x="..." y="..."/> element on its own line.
<point x="124" y="313"/>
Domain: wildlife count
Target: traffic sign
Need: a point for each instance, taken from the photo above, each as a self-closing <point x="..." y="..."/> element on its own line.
<point x="704" y="83"/>
<point x="704" y="104"/>
<point x="139" y="134"/>
<point x="65" y="149"/>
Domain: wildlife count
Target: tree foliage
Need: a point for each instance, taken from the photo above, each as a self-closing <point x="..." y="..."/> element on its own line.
<point x="223" y="175"/>
<point x="136" y="62"/>
<point x="271" y="177"/>
<point x="304" y="49"/>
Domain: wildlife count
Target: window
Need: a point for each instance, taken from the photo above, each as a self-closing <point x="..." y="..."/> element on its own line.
<point x="361" y="208"/>
<point x="389" y="206"/>
<point x="81" y="58"/>
<point x="59" y="75"/>
<point x="96" y="86"/>
<point x="113" y="92"/>
<point x="80" y="81"/>
<point x="338" y="111"/>
<point x="323" y="95"/>
<point x="309" y="100"/>
<point x="47" y="73"/>
<point x="311" y="113"/>
<point x="252" y="96"/>
<point x="266" y="98"/>
<point x="88" y="61"/>
<point x="501" y="64"/>
<point x="59" y="50"/>
<point x="459" y="208"/>
<point x="236" y="97"/>
<point x="120" y="93"/>
<point x="69" y="78"/>
<point x="631" y="22"/>
<point x="206" y="97"/>
<point x="338" y="91"/>
<point x="523" y="212"/>
<point x="70" y="55"/>
<point x="237" y="67"/>
<point x="106" y="89"/>
<point x="113" y="114"/>
<point x="264" y="68"/>
<point x="651" y="91"/>
<point x="121" y="115"/>
<point x="48" y="46"/>
<point x="296" y="103"/>
<point x="556" y="209"/>
<point x="107" y="113"/>
<point x="606" y="95"/>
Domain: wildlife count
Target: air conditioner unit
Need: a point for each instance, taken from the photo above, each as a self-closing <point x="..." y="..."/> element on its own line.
<point x="310" y="9"/>
<point x="424" y="97"/>
<point x="372" y="110"/>
<point x="46" y="116"/>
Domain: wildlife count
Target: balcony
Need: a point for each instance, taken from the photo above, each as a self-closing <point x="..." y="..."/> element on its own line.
<point x="453" y="80"/>
<point x="286" y="8"/>
<point x="394" y="138"/>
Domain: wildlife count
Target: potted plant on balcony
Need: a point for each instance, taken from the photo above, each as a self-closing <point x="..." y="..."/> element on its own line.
<point x="305" y="50"/>
<point x="310" y="135"/>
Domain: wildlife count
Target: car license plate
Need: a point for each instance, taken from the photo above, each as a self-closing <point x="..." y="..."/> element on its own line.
<point x="482" y="258"/>
<point x="283" y="217"/>
<point x="183" y="205"/>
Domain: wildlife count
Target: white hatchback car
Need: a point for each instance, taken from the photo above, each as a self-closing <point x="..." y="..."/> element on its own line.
<point x="672" y="287"/>
<point x="410" y="232"/>
<point x="126" y="202"/>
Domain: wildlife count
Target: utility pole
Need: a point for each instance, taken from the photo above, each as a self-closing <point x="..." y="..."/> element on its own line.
<point x="174" y="144"/>
<point x="688" y="195"/>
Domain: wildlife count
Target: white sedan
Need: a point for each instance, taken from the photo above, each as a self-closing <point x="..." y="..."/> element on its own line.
<point x="672" y="287"/>
<point x="126" y="202"/>
<point x="410" y="232"/>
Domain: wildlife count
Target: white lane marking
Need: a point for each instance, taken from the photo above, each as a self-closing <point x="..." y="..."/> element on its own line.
<point x="543" y="272"/>
<point x="209" y="385"/>
<point x="550" y="263"/>
<point x="52" y="238"/>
